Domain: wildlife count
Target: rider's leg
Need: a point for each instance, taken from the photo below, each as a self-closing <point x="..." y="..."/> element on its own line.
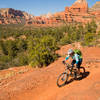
<point x="73" y="62"/>
<point x="80" y="61"/>
<point x="78" y="65"/>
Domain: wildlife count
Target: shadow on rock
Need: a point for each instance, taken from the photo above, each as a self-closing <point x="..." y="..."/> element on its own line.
<point x="83" y="75"/>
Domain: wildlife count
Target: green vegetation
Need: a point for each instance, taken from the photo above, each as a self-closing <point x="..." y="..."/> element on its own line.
<point x="34" y="46"/>
<point x="42" y="51"/>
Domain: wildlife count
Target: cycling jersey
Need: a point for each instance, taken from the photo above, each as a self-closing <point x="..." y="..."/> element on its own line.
<point x="75" y="57"/>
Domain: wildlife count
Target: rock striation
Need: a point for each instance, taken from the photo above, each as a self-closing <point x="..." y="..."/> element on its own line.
<point x="12" y="16"/>
<point x="96" y="6"/>
<point x="77" y="12"/>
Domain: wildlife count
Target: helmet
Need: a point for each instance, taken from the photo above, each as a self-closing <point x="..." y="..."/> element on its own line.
<point x="70" y="51"/>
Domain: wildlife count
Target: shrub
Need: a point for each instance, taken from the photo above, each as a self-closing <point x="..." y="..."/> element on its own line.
<point x="11" y="48"/>
<point x="91" y="27"/>
<point x="89" y="38"/>
<point x="21" y="45"/>
<point x="42" y="51"/>
<point x="3" y="48"/>
<point x="65" y="40"/>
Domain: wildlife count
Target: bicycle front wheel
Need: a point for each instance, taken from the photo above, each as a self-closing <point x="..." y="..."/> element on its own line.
<point x="62" y="79"/>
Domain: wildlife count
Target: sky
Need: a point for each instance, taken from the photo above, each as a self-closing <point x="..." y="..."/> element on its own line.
<point x="40" y="7"/>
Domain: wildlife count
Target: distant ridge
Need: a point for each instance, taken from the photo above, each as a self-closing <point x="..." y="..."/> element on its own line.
<point x="10" y="15"/>
<point x="96" y="6"/>
<point x="77" y="12"/>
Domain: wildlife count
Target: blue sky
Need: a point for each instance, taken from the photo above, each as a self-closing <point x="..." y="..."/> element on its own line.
<point x="38" y="7"/>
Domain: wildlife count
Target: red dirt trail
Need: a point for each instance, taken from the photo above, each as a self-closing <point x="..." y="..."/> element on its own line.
<point x="40" y="84"/>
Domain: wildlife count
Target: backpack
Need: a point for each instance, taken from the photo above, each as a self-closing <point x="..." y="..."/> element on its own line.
<point x="78" y="51"/>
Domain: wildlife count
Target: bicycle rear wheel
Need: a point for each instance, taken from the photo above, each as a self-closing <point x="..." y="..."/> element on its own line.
<point x="62" y="79"/>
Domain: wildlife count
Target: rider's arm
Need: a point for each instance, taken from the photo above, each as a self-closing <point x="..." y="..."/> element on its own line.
<point x="67" y="58"/>
<point x="76" y="58"/>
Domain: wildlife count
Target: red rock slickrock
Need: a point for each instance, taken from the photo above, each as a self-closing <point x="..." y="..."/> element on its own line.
<point x="24" y="83"/>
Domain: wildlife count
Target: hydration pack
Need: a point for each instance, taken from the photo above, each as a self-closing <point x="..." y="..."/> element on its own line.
<point x="78" y="51"/>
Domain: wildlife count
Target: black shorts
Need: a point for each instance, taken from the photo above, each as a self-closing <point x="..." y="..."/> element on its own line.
<point x="77" y="65"/>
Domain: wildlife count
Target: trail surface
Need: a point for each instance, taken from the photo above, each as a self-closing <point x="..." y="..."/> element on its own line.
<point x="40" y="84"/>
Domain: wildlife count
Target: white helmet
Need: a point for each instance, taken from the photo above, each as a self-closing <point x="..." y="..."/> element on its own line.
<point x="70" y="51"/>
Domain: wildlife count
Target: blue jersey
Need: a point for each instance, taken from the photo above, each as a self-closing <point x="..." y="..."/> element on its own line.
<point x="74" y="57"/>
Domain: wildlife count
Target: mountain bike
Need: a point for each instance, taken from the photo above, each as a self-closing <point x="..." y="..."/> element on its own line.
<point x="69" y="73"/>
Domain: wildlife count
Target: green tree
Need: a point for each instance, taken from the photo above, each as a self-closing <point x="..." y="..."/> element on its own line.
<point x="89" y="38"/>
<point x="91" y="27"/>
<point x="21" y="45"/>
<point x="42" y="51"/>
<point x="65" y="40"/>
<point x="3" y="48"/>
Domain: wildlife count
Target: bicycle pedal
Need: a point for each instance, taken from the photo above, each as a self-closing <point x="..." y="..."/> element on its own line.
<point x="71" y="75"/>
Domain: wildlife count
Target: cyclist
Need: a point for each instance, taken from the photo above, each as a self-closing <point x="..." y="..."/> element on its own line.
<point x="77" y="59"/>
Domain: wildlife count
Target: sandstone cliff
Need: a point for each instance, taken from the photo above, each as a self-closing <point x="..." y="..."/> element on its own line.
<point x="9" y="15"/>
<point x="96" y="6"/>
<point x="78" y="12"/>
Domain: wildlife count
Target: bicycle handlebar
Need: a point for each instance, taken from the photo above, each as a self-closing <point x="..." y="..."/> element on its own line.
<point x="65" y="63"/>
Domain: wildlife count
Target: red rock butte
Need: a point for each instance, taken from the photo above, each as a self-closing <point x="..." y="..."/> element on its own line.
<point x="80" y="6"/>
<point x="77" y="12"/>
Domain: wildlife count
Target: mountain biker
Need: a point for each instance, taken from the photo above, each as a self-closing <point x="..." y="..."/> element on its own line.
<point x="77" y="59"/>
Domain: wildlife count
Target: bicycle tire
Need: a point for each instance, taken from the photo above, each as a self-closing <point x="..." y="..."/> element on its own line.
<point x="64" y="81"/>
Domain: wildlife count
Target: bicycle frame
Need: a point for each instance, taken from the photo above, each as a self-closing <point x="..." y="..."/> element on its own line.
<point x="70" y="68"/>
